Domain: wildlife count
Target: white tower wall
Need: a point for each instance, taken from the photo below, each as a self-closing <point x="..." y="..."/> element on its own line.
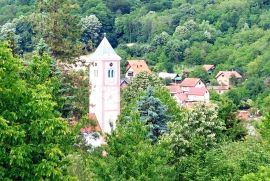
<point x="105" y="86"/>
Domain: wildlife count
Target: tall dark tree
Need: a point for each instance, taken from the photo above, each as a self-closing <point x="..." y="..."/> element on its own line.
<point x="153" y="113"/>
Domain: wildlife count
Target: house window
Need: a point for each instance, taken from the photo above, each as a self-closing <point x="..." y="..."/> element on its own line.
<point x="96" y="73"/>
<point x="130" y="74"/>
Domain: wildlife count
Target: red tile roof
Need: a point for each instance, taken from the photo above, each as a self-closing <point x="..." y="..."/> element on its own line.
<point x="92" y="116"/>
<point x="244" y="115"/>
<point x="197" y="91"/>
<point x="174" y="88"/>
<point x="138" y="66"/>
<point x="229" y="74"/>
<point x="208" y="67"/>
<point x="190" y="82"/>
<point x="182" y="97"/>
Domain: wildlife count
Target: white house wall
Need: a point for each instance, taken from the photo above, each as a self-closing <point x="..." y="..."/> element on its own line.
<point x="130" y="70"/>
<point x="196" y="98"/>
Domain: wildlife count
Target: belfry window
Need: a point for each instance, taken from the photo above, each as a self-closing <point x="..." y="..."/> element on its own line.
<point x="110" y="73"/>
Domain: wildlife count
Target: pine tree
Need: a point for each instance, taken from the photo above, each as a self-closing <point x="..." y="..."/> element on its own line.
<point x="153" y="113"/>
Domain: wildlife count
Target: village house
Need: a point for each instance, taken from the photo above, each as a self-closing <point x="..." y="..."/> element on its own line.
<point x="124" y="83"/>
<point x="243" y="115"/>
<point x="188" y="83"/>
<point x="181" y="98"/>
<point x="220" y="89"/>
<point x="194" y="95"/>
<point x="224" y="77"/>
<point x="198" y="95"/>
<point x="209" y="68"/>
<point x="133" y="67"/>
<point x="174" y="89"/>
<point x="190" y="91"/>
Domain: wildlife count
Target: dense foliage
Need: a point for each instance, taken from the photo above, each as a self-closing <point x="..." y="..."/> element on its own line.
<point x="34" y="138"/>
<point x="155" y="139"/>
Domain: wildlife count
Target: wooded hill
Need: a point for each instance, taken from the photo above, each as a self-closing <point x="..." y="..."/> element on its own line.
<point x="169" y="35"/>
<point x="37" y="100"/>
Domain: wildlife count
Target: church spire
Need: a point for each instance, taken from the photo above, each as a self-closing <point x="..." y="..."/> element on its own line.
<point x="104" y="52"/>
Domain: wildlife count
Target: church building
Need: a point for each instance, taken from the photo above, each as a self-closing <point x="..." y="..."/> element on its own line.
<point x="105" y="86"/>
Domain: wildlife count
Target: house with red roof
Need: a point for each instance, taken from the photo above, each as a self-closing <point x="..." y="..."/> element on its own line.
<point x="209" y="68"/>
<point x="134" y="67"/>
<point x="194" y="95"/>
<point x="124" y="83"/>
<point x="191" y="90"/>
<point x="224" y="77"/>
<point x="243" y="115"/>
<point x="220" y="89"/>
<point x="188" y="83"/>
<point x="198" y="95"/>
<point x="181" y="98"/>
<point x="174" y="89"/>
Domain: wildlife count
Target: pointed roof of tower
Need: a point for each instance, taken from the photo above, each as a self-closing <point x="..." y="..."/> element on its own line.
<point x="104" y="52"/>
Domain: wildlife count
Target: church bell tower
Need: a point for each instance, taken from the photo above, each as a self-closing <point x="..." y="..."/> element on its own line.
<point x="105" y="86"/>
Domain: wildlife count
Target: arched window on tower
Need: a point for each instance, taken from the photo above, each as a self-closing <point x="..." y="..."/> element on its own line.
<point x="111" y="71"/>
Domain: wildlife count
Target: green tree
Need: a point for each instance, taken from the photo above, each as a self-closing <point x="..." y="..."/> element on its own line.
<point x="140" y="84"/>
<point x="60" y="29"/>
<point x="233" y="160"/>
<point x="235" y="129"/>
<point x="42" y="47"/>
<point x="34" y="139"/>
<point x="201" y="73"/>
<point x="75" y="90"/>
<point x="191" y="137"/>
<point x="91" y="28"/>
<point x="261" y="175"/>
<point x="19" y="33"/>
<point x="131" y="156"/>
<point x="160" y="39"/>
<point x="153" y="114"/>
<point x="198" y="129"/>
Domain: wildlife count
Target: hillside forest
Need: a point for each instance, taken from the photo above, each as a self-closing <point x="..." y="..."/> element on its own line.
<point x="155" y="139"/>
